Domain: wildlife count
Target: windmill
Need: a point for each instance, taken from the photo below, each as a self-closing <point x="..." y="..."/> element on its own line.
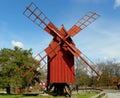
<point x="61" y="51"/>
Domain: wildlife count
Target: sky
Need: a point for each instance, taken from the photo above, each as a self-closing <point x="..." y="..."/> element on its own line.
<point x="99" y="41"/>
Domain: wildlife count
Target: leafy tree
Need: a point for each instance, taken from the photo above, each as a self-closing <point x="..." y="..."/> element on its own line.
<point x="82" y="77"/>
<point x="10" y="64"/>
<point x="110" y="74"/>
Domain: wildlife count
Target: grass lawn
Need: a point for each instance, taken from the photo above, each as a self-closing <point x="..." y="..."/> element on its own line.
<point x="84" y="95"/>
<point x="81" y="95"/>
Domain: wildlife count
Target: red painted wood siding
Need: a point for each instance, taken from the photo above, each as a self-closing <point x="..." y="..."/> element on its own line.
<point x="61" y="68"/>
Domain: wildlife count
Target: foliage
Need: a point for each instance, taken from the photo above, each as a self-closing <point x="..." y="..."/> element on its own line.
<point x="82" y="78"/>
<point x="110" y="74"/>
<point x="10" y="63"/>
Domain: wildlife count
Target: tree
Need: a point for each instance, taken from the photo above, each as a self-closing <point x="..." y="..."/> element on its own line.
<point x="82" y="77"/>
<point x="110" y="73"/>
<point x="10" y="63"/>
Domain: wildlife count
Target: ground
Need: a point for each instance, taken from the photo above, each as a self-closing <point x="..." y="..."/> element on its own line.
<point x="80" y="95"/>
<point x="113" y="93"/>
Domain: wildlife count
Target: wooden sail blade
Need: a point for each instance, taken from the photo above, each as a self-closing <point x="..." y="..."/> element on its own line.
<point x="38" y="17"/>
<point x="85" y="60"/>
<point x="76" y="52"/>
<point x="82" y="66"/>
<point x="53" y="49"/>
<point x="42" y="57"/>
<point x="26" y="64"/>
<point x="33" y="13"/>
<point x="82" y="23"/>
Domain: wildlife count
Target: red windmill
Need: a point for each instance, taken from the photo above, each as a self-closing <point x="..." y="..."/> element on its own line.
<point x="61" y="51"/>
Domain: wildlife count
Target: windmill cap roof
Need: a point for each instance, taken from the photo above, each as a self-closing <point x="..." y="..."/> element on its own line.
<point x="62" y="27"/>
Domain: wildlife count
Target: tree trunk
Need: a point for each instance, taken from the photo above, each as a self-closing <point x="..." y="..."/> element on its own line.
<point x="8" y="90"/>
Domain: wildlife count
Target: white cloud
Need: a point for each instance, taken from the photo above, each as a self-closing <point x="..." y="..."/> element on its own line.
<point x="17" y="44"/>
<point x="117" y="4"/>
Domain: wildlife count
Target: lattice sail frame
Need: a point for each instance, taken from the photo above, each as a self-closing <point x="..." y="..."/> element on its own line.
<point x="36" y="15"/>
<point x="83" y="22"/>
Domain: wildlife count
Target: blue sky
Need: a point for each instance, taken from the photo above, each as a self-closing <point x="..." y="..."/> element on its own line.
<point x="99" y="41"/>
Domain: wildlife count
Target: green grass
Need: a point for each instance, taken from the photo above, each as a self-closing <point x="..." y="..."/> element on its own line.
<point x="81" y="95"/>
<point x="84" y="95"/>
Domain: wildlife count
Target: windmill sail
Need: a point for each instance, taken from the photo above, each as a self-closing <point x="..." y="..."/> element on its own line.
<point x="61" y="37"/>
<point x="83" y="22"/>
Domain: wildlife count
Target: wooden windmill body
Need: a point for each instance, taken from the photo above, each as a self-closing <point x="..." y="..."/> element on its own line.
<point x="61" y="51"/>
<point x="61" y="67"/>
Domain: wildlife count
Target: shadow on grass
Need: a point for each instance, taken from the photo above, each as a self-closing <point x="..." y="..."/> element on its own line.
<point x="27" y="94"/>
<point x="30" y="94"/>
